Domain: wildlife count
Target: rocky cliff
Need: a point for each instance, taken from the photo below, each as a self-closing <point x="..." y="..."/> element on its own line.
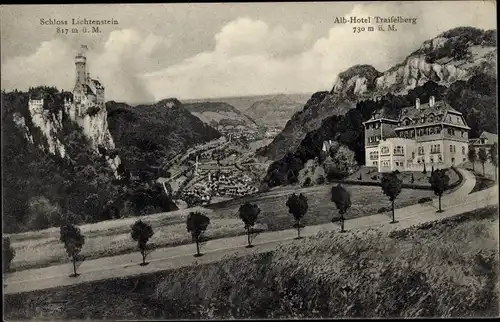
<point x="47" y="112"/>
<point x="455" y="55"/>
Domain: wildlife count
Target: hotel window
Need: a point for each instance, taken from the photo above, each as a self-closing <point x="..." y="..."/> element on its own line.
<point x="432" y="159"/>
<point x="420" y="150"/>
<point x="431" y="118"/>
<point x="422" y="120"/>
<point x="431" y="130"/>
<point x="463" y="150"/>
<point x="370" y="139"/>
<point x="377" y="138"/>
<point x="440" y="158"/>
<point x="398" y="150"/>
<point x="377" y="125"/>
<point x="407" y="122"/>
<point x="384" y="150"/>
<point x="463" y="133"/>
<point x="413" y="155"/>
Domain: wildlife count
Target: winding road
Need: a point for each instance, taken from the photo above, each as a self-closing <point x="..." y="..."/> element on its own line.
<point x="457" y="202"/>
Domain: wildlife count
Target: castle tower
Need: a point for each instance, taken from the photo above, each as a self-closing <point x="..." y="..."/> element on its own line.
<point x="81" y="68"/>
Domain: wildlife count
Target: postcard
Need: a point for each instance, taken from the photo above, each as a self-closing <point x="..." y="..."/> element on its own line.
<point x="250" y="160"/>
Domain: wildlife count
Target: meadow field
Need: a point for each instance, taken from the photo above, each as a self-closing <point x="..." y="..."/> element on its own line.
<point x="445" y="268"/>
<point x="43" y="248"/>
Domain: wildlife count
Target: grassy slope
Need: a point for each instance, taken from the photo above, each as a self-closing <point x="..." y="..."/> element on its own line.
<point x="113" y="237"/>
<point x="446" y="268"/>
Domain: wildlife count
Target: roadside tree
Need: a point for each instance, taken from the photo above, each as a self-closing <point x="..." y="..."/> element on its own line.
<point x="391" y="186"/>
<point x="73" y="242"/>
<point x="197" y="224"/>
<point x="141" y="233"/>
<point x="297" y="206"/>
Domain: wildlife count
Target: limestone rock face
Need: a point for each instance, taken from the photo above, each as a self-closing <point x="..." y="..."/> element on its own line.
<point x="21" y="123"/>
<point x="49" y="124"/>
<point x="355" y="81"/>
<point x="93" y="125"/>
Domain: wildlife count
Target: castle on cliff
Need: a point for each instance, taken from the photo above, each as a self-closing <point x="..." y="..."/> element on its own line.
<point x="86" y="108"/>
<point x="87" y="91"/>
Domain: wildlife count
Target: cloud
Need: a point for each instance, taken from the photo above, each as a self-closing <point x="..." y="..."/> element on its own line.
<point x="252" y="57"/>
<point x="46" y="66"/>
<point x="249" y="56"/>
<point x="125" y="56"/>
<point x="245" y="36"/>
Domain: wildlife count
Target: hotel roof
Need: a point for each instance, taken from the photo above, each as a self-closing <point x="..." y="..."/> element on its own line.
<point x="439" y="108"/>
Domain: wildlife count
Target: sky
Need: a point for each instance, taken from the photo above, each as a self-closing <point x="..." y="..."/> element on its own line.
<point x="193" y="51"/>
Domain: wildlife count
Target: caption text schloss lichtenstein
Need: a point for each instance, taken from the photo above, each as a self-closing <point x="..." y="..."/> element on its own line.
<point x="78" y="25"/>
<point x="363" y="24"/>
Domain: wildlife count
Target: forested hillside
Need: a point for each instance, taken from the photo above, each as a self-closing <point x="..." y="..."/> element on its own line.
<point x="148" y="135"/>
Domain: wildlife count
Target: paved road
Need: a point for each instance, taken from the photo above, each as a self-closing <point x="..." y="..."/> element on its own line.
<point x="214" y="250"/>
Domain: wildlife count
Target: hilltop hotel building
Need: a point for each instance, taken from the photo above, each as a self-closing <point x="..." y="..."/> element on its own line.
<point x="432" y="135"/>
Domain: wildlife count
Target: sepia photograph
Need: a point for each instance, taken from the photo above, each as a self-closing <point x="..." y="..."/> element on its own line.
<point x="269" y="160"/>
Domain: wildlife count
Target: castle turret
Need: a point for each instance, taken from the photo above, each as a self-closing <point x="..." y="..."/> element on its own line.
<point x="81" y="69"/>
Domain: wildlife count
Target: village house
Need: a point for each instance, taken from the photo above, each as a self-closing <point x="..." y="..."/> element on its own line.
<point x="431" y="135"/>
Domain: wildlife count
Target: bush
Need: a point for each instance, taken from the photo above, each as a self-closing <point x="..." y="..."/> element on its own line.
<point x="42" y="214"/>
<point x="320" y="180"/>
<point x="93" y="110"/>
<point x="374" y="177"/>
<point x="383" y="209"/>
<point x="424" y="199"/>
<point x="264" y="187"/>
<point x="307" y="182"/>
